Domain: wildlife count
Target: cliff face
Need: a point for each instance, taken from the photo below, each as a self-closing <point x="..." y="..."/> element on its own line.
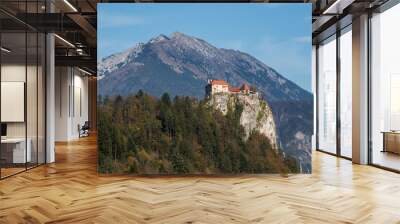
<point x="256" y="114"/>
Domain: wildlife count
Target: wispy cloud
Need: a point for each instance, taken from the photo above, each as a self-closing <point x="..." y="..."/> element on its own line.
<point x="286" y="57"/>
<point x="232" y="44"/>
<point x="122" y="20"/>
<point x="302" y="39"/>
<point x="106" y="46"/>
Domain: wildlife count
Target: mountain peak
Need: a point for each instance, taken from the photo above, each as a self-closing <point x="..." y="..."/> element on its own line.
<point x="173" y="36"/>
<point x="178" y="35"/>
<point x="159" y="38"/>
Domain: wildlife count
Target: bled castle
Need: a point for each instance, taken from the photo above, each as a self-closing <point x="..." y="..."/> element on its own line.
<point x="220" y="86"/>
<point x="256" y="113"/>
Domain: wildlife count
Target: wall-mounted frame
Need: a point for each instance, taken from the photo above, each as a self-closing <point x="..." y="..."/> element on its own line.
<point x="12" y="98"/>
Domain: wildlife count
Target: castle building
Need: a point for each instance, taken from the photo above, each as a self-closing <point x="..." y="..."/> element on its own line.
<point x="245" y="89"/>
<point x="217" y="86"/>
<point x="221" y="86"/>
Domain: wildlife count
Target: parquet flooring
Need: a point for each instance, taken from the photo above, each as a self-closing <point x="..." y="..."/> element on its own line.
<point x="11" y="170"/>
<point x="70" y="191"/>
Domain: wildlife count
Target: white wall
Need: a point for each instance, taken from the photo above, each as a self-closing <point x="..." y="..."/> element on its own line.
<point x="33" y="126"/>
<point x="50" y="95"/>
<point x="71" y="102"/>
<point x="17" y="73"/>
<point x="62" y="82"/>
<point x="313" y="87"/>
<point x="80" y="112"/>
<point x="14" y="72"/>
<point x="360" y="90"/>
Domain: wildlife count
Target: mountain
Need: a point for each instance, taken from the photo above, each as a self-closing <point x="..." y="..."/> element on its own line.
<point x="181" y="65"/>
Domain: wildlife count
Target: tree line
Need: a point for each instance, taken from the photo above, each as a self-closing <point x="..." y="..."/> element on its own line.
<point x="143" y="134"/>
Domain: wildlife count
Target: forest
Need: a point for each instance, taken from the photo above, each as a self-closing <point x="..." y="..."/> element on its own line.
<point x="143" y="134"/>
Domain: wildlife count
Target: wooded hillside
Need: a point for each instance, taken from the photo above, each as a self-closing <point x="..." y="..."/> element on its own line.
<point x="144" y="135"/>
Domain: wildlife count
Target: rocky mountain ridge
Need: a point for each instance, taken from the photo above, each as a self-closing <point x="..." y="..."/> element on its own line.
<point x="183" y="54"/>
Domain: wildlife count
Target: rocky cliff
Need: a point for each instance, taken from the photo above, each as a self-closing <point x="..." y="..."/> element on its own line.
<point x="256" y="114"/>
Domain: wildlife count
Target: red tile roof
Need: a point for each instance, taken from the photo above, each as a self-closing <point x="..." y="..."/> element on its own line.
<point x="234" y="89"/>
<point x="218" y="82"/>
<point x="245" y="87"/>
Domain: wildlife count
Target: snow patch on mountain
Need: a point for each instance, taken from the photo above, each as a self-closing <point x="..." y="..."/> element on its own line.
<point x="118" y="60"/>
<point x="158" y="39"/>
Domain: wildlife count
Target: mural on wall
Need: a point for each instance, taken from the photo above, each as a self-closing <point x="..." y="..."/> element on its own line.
<point x="204" y="88"/>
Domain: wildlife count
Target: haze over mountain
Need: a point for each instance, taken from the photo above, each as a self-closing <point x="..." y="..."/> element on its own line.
<point x="181" y="65"/>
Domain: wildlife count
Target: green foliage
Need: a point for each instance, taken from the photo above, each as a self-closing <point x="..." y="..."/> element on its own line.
<point x="263" y="105"/>
<point x="145" y="135"/>
<point x="260" y="115"/>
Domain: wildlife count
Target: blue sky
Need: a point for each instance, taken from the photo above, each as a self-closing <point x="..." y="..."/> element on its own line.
<point x="277" y="34"/>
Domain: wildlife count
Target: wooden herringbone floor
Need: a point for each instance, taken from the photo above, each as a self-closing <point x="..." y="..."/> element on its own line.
<point x="70" y="191"/>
